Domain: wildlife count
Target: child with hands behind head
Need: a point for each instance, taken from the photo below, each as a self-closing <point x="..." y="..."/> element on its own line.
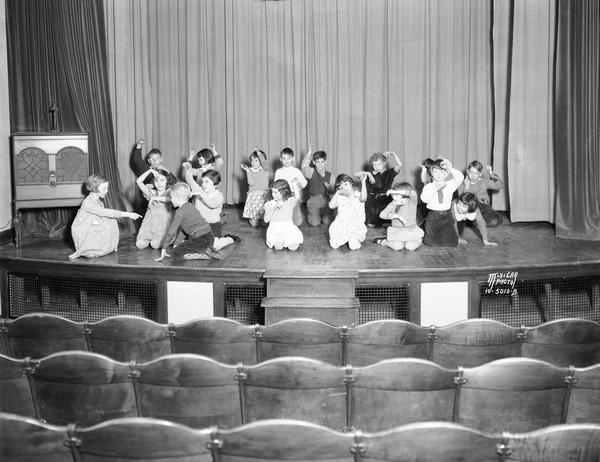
<point x="437" y="195"/>
<point x="349" y="224"/>
<point x="319" y="187"/>
<point x="282" y="232"/>
<point x="294" y="178"/>
<point x="258" y="187"/>
<point x="380" y="179"/>
<point x="158" y="215"/>
<point x="204" y="160"/>
<point x="479" y="182"/>
<point x="402" y="211"/>
<point x="95" y="230"/>
<point x="466" y="208"/>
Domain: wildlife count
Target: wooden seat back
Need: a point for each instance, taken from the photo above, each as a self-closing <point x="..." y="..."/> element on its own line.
<point x="15" y="390"/>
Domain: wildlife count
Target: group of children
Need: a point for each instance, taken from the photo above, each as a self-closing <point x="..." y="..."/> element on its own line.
<point x="346" y="206"/>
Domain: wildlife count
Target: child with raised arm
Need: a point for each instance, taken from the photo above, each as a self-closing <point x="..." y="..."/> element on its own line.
<point x="380" y="179"/>
<point x="349" y="224"/>
<point x="204" y="160"/>
<point x="95" y="230"/>
<point x="464" y="209"/>
<point x="440" y="230"/>
<point x="294" y="178"/>
<point x="188" y="232"/>
<point x="258" y="187"/>
<point x="402" y="211"/>
<point x="282" y="233"/>
<point x="319" y="187"/>
<point x="479" y="182"/>
<point x="158" y="215"/>
<point x="154" y="161"/>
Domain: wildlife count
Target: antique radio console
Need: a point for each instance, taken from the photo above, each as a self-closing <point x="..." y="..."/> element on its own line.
<point x="49" y="170"/>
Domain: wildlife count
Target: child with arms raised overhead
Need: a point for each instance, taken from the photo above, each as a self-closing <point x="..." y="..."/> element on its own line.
<point x="349" y="224"/>
<point x="402" y="211"/>
<point x="159" y="212"/>
<point x="204" y="160"/>
<point x="95" y="230"/>
<point x="479" y="182"/>
<point x="258" y="187"/>
<point x="282" y="232"/>
<point x="188" y="232"/>
<point x="294" y="178"/>
<point x="319" y="187"/>
<point x="380" y="179"/>
<point x="466" y="208"/>
<point x="154" y="161"/>
<point x="440" y="230"/>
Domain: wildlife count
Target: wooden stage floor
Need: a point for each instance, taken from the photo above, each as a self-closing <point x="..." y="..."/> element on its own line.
<point x="520" y="245"/>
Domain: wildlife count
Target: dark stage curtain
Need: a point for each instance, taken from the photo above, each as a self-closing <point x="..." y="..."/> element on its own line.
<point x="57" y="55"/>
<point x="577" y="130"/>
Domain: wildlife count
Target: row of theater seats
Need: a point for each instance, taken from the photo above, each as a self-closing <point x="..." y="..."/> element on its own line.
<point x="517" y="394"/>
<point x="137" y="439"/>
<point x="467" y="343"/>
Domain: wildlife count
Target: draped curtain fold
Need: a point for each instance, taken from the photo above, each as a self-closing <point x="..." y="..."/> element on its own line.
<point x="353" y="77"/>
<point x="57" y="54"/>
<point x="577" y="129"/>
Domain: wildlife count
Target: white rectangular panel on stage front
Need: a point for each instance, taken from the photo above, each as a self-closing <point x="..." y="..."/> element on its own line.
<point x="189" y="300"/>
<point x="444" y="303"/>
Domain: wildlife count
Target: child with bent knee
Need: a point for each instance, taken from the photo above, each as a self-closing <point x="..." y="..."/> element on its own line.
<point x="295" y="179"/>
<point x="282" y="233"/>
<point x="479" y="182"/>
<point x="402" y="211"/>
<point x="258" y="187"/>
<point x="158" y="214"/>
<point x="349" y="224"/>
<point x="465" y="209"/>
<point x="319" y="186"/>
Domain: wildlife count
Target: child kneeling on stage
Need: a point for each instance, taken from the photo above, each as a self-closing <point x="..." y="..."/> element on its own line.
<point x="282" y="233"/>
<point x="466" y="209"/>
<point x="402" y="211"/>
<point x="200" y="243"/>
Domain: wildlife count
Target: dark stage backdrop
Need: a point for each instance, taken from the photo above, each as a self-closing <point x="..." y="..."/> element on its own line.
<point x="577" y="112"/>
<point x="57" y="55"/>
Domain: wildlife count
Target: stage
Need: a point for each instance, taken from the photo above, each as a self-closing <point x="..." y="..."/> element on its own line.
<point x="529" y="251"/>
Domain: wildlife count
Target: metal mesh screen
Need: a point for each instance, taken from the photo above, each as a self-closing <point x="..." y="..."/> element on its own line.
<point x="382" y="303"/>
<point x="535" y="302"/>
<point x="80" y="299"/>
<point x="242" y="303"/>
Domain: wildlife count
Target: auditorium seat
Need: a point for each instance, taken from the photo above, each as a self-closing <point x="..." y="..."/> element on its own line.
<point x="430" y="442"/>
<point x="474" y="342"/>
<point x="400" y="391"/>
<point x="15" y="391"/>
<point x="559" y="443"/>
<point x="295" y="388"/>
<point x="24" y="439"/>
<point x="584" y="402"/>
<point x="128" y="338"/>
<point x="282" y="440"/>
<point x="514" y="394"/>
<point x="300" y="337"/>
<point x="142" y="439"/>
<point x="39" y="335"/>
<point x="189" y="389"/>
<point x="377" y="340"/>
<point x="83" y="388"/>
<point x="564" y="342"/>
<point x="222" y="339"/>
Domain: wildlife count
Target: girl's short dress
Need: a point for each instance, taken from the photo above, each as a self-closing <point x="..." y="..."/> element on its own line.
<point x="282" y="228"/>
<point x="155" y="224"/>
<point x="349" y="224"/>
<point x="254" y="208"/>
<point x="95" y="230"/>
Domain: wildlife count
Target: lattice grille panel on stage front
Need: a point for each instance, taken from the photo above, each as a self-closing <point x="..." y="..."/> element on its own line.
<point x="243" y="303"/>
<point x="382" y="303"/>
<point x="535" y="302"/>
<point x="80" y="299"/>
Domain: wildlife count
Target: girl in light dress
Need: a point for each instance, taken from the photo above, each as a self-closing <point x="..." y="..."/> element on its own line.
<point x="159" y="212"/>
<point x="349" y="224"/>
<point x="258" y="187"/>
<point x="95" y="230"/>
<point x="282" y="233"/>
